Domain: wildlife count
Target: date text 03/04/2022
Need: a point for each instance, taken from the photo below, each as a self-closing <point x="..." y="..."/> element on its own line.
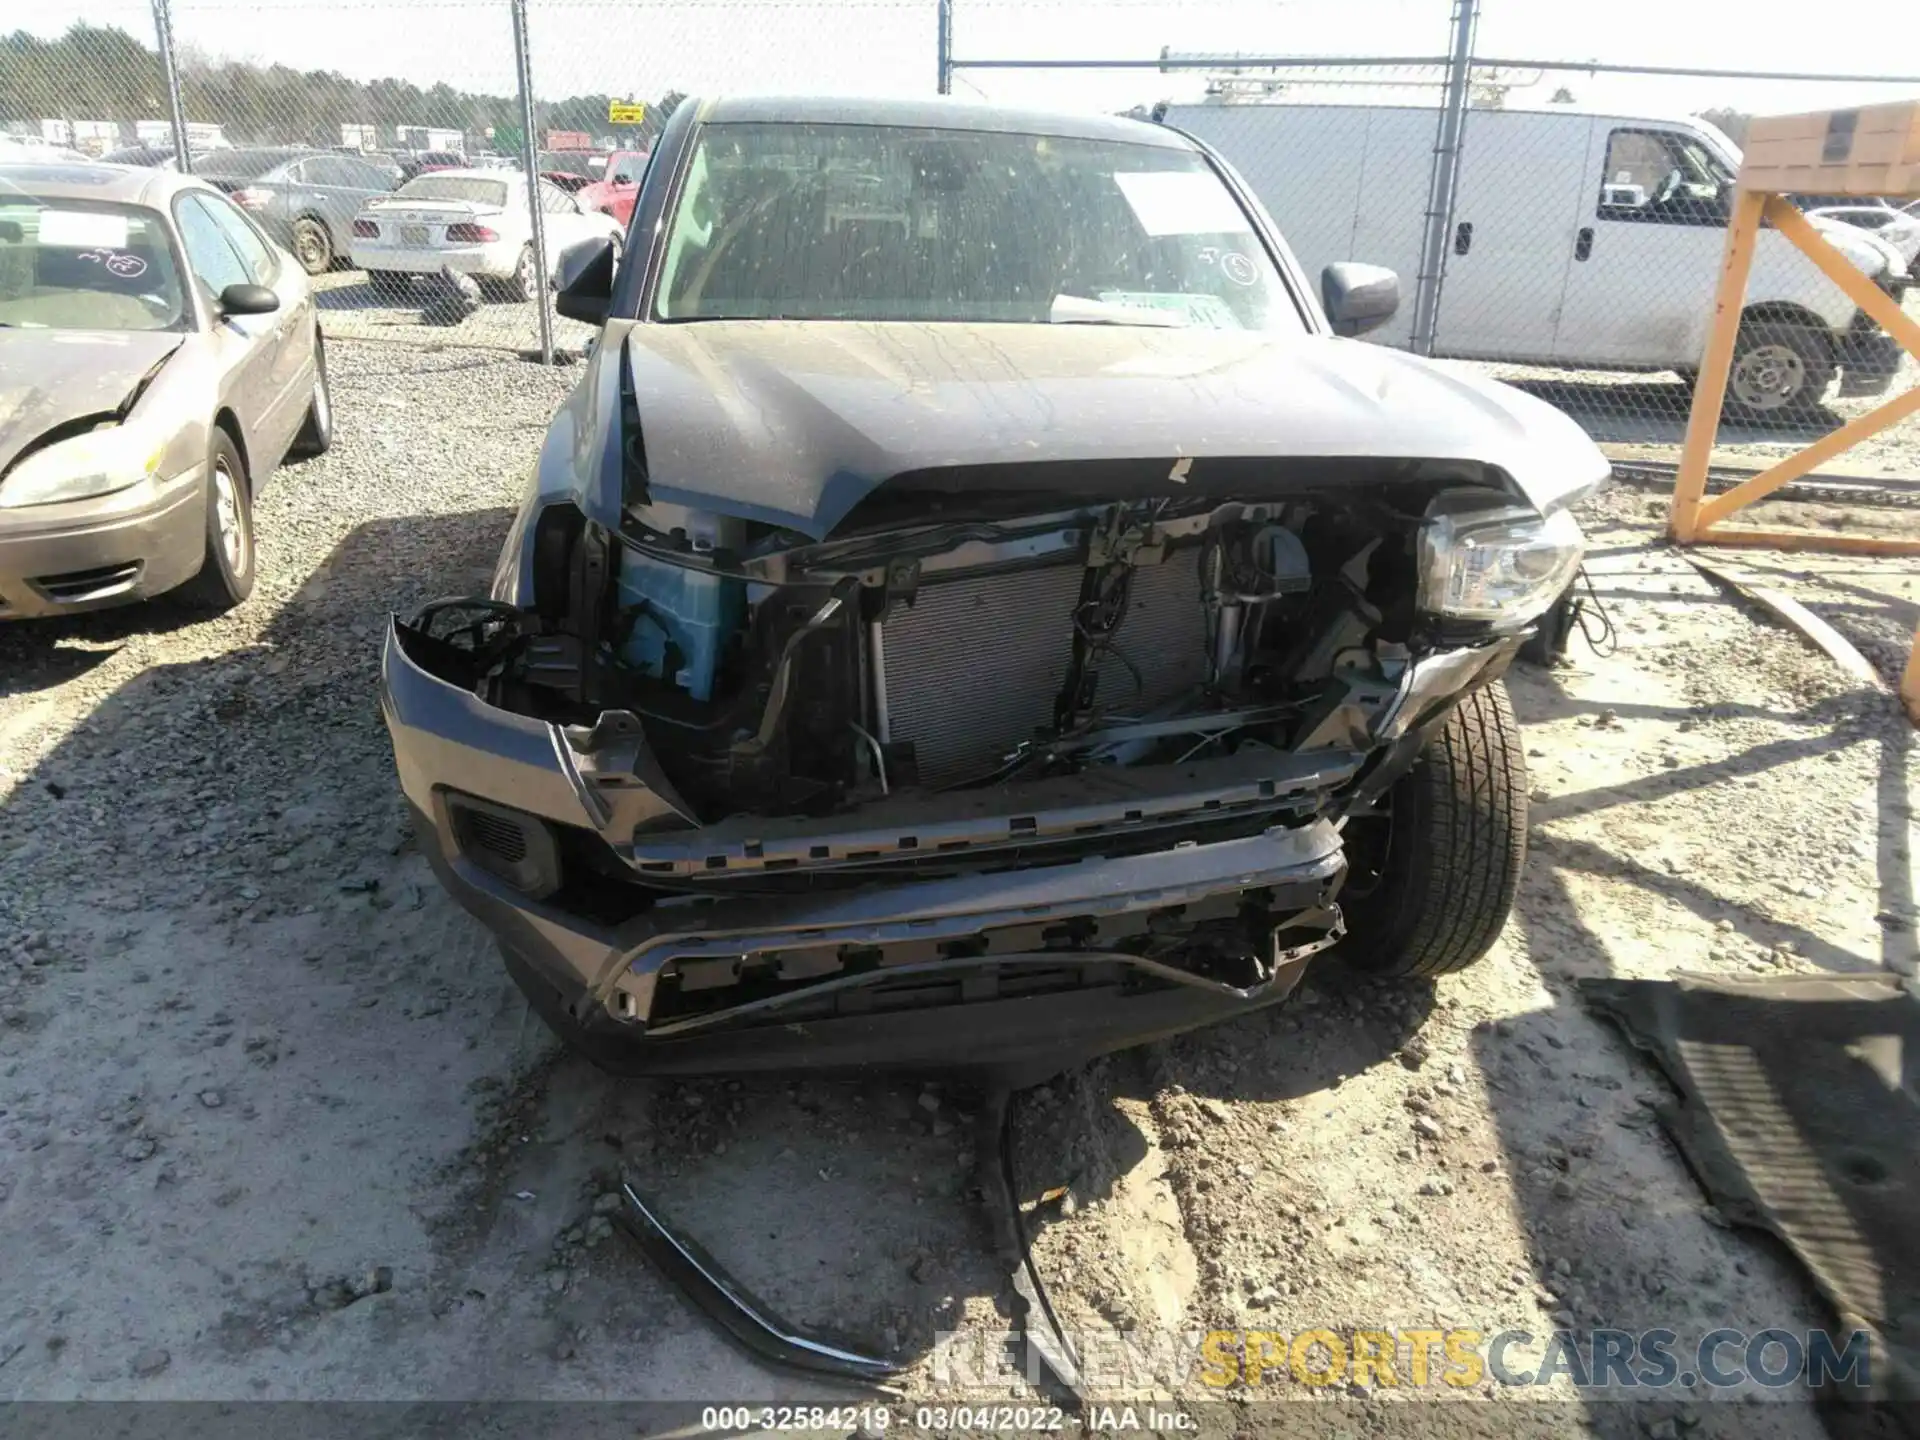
<point x="877" y="1419"/>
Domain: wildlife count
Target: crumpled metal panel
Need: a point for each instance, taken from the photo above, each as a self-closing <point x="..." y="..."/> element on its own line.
<point x="975" y="665"/>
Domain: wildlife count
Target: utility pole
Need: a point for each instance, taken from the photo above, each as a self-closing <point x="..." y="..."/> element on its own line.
<point x="1442" y="186"/>
<point x="944" y="44"/>
<point x="530" y="148"/>
<point x="170" y="74"/>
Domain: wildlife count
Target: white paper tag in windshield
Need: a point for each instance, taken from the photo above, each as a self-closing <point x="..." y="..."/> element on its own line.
<point x="1208" y="312"/>
<point x="1181" y="202"/>
<point x="83" y="229"/>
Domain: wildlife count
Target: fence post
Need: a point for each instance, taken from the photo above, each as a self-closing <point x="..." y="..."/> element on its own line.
<point x="1446" y="172"/>
<point x="530" y="147"/>
<point x="176" y="111"/>
<point x="943" y="43"/>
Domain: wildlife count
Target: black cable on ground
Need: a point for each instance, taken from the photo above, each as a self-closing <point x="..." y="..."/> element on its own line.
<point x="1607" y="641"/>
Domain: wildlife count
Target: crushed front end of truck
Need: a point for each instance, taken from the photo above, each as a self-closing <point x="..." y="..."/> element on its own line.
<point x="997" y="765"/>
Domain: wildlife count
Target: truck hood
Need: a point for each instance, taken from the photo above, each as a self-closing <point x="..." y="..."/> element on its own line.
<point x="49" y="378"/>
<point x="794" y="422"/>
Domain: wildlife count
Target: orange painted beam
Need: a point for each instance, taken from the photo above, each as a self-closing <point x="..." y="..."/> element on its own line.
<point x="1801" y="461"/>
<point x="1838" y="541"/>
<point x="1709" y="390"/>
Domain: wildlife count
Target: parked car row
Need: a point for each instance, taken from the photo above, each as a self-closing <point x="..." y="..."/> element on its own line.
<point x="322" y="204"/>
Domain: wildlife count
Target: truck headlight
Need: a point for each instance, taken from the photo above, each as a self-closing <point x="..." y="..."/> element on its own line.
<point x="1499" y="563"/>
<point x="97" y="463"/>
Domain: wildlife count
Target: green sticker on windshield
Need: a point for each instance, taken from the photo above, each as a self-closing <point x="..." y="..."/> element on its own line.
<point x="1208" y="312"/>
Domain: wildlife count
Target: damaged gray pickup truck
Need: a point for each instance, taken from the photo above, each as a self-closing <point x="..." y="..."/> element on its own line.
<point x="975" y="612"/>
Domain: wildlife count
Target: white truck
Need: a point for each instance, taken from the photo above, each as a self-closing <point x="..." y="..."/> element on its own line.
<point x="1578" y="240"/>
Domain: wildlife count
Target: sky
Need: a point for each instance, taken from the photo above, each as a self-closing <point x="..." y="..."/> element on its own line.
<point x="887" y="47"/>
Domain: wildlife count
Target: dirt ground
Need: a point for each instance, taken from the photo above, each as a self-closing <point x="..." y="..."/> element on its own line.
<point x="273" y="1123"/>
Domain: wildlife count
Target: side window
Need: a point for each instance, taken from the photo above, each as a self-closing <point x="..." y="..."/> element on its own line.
<point x="322" y="171"/>
<point x="254" y="252"/>
<point x="627" y="172"/>
<point x="300" y="172"/>
<point x="1636" y="165"/>
<point x="555" y="201"/>
<point x="210" y="255"/>
<point x="1661" y="178"/>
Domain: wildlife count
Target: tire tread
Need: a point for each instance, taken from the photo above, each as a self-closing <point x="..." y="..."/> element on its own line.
<point x="1476" y="835"/>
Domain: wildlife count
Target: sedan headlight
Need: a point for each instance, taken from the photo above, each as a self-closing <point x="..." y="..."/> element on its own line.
<point x="1498" y="563"/>
<point x="97" y="463"/>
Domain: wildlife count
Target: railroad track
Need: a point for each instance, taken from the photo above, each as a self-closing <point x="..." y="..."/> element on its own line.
<point x="1890" y="492"/>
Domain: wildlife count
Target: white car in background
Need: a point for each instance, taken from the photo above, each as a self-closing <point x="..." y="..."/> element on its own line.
<point x="1898" y="228"/>
<point x="476" y="222"/>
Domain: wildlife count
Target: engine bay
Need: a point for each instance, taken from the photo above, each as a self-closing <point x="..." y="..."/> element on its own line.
<point x="777" y="677"/>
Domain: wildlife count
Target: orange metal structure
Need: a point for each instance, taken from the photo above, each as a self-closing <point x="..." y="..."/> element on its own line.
<point x="1871" y="151"/>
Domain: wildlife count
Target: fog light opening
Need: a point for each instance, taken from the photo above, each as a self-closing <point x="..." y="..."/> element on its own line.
<point x="510" y="844"/>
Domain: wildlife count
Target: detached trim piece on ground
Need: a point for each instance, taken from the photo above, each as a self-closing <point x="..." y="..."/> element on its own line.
<point x="733" y="1307"/>
<point x="1785" y="608"/>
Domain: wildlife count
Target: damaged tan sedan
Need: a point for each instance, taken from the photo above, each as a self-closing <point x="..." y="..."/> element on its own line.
<point x="158" y="357"/>
<point x="977" y="610"/>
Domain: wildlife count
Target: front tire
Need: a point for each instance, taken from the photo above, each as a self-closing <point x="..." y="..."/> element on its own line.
<point x="226" y="574"/>
<point x="1780" y="372"/>
<point x="316" y="434"/>
<point x="312" y="245"/>
<point x="1431" y="883"/>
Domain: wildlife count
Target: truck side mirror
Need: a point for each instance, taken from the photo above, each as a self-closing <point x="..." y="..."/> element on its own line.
<point x="1358" y="298"/>
<point x="586" y="281"/>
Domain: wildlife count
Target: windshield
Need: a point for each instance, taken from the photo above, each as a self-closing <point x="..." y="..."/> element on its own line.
<point x="455" y="187"/>
<point x="874" y="222"/>
<point x="69" y="265"/>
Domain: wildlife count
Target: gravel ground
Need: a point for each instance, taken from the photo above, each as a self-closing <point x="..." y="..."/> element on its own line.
<point x="351" y="306"/>
<point x="273" y="1123"/>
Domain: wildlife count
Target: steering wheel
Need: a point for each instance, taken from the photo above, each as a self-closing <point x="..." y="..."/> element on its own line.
<point x="1669" y="187"/>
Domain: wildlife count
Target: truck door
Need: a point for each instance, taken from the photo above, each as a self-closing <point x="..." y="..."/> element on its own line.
<point x="1646" y="252"/>
<point x="1523" y="179"/>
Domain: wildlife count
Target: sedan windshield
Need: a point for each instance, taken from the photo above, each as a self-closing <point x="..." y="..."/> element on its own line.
<point x="455" y="187"/>
<point x="68" y="265"/>
<point x="875" y="222"/>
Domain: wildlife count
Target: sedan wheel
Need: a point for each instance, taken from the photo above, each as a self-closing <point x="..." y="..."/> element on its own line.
<point x="226" y="574"/>
<point x="312" y="246"/>
<point x="526" y="280"/>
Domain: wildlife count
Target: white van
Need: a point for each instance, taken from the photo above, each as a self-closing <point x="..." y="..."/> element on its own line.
<point x="1579" y="240"/>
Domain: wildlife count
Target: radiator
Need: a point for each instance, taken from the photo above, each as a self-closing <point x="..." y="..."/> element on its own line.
<point x="975" y="665"/>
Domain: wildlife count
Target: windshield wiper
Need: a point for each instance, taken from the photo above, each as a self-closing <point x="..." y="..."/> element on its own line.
<point x="1078" y="310"/>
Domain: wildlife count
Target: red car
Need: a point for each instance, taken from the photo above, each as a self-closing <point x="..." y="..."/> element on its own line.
<point x="613" y="192"/>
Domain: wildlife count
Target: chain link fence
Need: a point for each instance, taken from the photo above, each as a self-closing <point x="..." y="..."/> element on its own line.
<point x="1576" y="254"/>
<point x="1582" y="251"/>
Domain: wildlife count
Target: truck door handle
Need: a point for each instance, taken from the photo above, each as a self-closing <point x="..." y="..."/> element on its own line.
<point x="1583" y="243"/>
<point x="1463" y="237"/>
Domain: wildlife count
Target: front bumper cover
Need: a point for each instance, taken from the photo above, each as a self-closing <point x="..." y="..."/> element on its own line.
<point x="976" y="944"/>
<point x="103" y="551"/>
